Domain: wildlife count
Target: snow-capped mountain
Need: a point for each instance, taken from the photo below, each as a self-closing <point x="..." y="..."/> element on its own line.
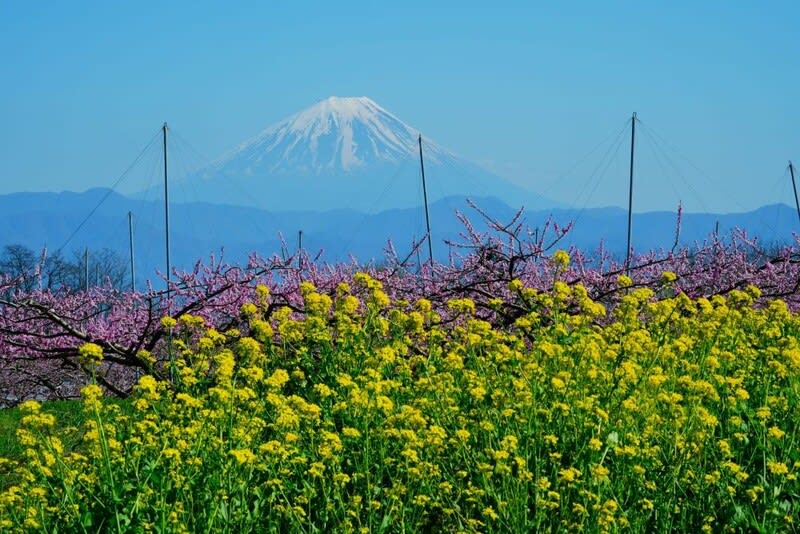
<point x="344" y="152"/>
<point x="333" y="136"/>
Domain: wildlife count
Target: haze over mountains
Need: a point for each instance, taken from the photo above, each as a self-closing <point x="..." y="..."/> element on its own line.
<point x="200" y="229"/>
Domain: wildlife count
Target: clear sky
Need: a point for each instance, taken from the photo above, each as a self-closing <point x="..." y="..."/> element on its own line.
<point x="528" y="90"/>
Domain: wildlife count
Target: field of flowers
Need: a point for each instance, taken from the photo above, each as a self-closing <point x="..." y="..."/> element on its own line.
<point x="355" y="411"/>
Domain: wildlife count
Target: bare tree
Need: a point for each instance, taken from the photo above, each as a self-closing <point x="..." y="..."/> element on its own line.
<point x="59" y="272"/>
<point x="107" y="266"/>
<point x="18" y="263"/>
<point x="25" y="269"/>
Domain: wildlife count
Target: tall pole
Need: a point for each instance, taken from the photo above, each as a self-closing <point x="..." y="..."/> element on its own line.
<point x="166" y="206"/>
<point x="86" y="269"/>
<point x="794" y="187"/>
<point x="425" y="198"/>
<point x="630" y="194"/>
<point x="130" y="242"/>
<point x="300" y="249"/>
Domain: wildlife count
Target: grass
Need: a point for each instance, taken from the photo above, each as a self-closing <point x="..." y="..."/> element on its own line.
<point x="70" y="420"/>
<point x="69" y="417"/>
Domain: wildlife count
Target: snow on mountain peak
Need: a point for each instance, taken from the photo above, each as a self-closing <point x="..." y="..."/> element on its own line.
<point x="335" y="134"/>
<point x="345" y="152"/>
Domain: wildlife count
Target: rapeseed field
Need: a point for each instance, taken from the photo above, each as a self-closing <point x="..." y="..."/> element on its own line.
<point x="355" y="413"/>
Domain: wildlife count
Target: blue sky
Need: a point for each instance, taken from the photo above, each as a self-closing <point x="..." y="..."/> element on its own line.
<point x="528" y="90"/>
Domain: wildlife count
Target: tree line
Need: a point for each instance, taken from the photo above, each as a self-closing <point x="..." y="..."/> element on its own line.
<point x="29" y="270"/>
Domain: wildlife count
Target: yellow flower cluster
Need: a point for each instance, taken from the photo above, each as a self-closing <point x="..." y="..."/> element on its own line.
<point x="360" y="414"/>
<point x="561" y="259"/>
<point x="91" y="354"/>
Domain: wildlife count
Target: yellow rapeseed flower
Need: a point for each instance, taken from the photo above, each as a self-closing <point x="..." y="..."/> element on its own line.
<point x="91" y="354"/>
<point x="561" y="259"/>
<point x="667" y="277"/>
<point x="777" y="468"/>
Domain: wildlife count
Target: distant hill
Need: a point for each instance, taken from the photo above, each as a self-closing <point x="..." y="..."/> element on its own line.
<point x="199" y="229"/>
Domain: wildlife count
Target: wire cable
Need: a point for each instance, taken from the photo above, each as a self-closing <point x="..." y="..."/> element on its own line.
<point x="601" y="167"/>
<point x="654" y="147"/>
<point x="390" y="183"/>
<point x="600" y="177"/>
<point x="560" y="178"/>
<point x="108" y="193"/>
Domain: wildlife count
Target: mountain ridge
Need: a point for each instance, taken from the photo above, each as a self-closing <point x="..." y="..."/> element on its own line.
<point x="200" y="229"/>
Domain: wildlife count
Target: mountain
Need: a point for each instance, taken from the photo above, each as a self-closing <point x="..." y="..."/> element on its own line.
<point x="200" y="229"/>
<point x="345" y="153"/>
